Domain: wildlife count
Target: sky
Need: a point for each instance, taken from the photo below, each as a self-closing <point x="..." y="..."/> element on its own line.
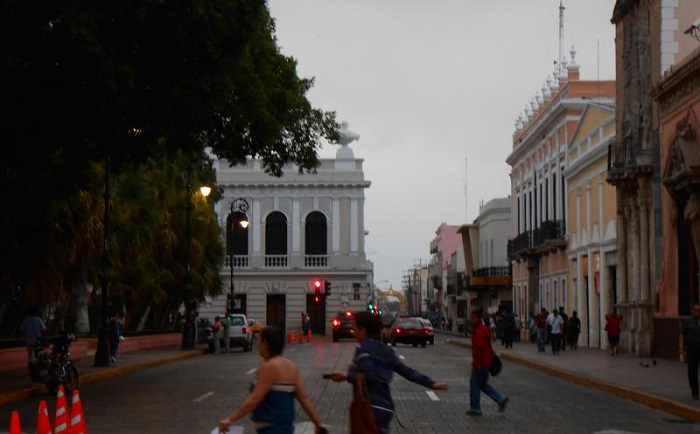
<point x="433" y="88"/>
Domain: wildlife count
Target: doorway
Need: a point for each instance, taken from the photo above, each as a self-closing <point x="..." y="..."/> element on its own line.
<point x="317" y="314"/>
<point x="277" y="311"/>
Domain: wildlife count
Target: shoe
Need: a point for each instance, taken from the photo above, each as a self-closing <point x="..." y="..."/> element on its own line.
<point x="502" y="405"/>
<point x="114" y="359"/>
<point x="473" y="413"/>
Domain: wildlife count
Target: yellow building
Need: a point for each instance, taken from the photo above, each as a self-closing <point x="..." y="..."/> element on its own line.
<point x="592" y="240"/>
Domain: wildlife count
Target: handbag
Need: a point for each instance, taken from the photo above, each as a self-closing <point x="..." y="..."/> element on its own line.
<point x="496" y="364"/>
<point x="361" y="413"/>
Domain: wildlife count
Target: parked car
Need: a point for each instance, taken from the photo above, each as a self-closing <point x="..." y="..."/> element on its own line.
<point x="429" y="327"/>
<point x="407" y="331"/>
<point x="240" y="333"/>
<point x="342" y="325"/>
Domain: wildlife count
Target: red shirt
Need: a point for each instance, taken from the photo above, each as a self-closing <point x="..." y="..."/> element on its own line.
<point x="613" y="324"/>
<point x="481" y="347"/>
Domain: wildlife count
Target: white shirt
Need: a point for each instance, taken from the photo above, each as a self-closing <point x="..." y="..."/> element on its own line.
<point x="556" y="324"/>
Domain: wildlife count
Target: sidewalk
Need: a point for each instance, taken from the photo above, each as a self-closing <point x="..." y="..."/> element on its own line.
<point x="662" y="385"/>
<point x="15" y="385"/>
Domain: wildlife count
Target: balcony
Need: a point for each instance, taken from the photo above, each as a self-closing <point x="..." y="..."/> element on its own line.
<point x="626" y="162"/>
<point x="240" y="261"/>
<point x="487" y="277"/>
<point x="315" y="261"/>
<point x="550" y="236"/>
<point x="276" y="261"/>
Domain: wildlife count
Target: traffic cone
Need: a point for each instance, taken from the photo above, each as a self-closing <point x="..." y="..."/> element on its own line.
<point x="290" y="337"/>
<point x="77" y="418"/>
<point x="15" y="426"/>
<point x="61" y="423"/>
<point x="301" y="336"/>
<point x="308" y="336"/>
<point x="43" y="424"/>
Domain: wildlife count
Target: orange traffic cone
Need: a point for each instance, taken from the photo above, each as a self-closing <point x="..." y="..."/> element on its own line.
<point x="301" y="336"/>
<point x="61" y="423"/>
<point x="77" y="418"/>
<point x="15" y="426"/>
<point x="43" y="424"/>
<point x="290" y="337"/>
<point x="308" y="336"/>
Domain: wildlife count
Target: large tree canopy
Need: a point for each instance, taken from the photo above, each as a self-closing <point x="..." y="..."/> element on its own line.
<point x="128" y="81"/>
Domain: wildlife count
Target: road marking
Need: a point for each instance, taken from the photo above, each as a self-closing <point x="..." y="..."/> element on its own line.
<point x="203" y="397"/>
<point x="251" y="371"/>
<point x="432" y="395"/>
<point x="402" y="357"/>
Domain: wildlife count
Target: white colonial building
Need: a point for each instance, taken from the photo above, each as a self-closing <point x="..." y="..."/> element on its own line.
<point x="300" y="228"/>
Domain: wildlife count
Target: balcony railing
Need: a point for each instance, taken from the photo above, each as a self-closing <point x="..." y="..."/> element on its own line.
<point x="241" y="261"/>
<point x="550" y="234"/>
<point x="491" y="272"/>
<point x="316" y="261"/>
<point x="276" y="261"/>
<point x="626" y="161"/>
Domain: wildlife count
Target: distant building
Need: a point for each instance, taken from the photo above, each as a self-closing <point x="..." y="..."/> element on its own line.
<point x="446" y="265"/>
<point x="302" y="227"/>
<point x="538" y="249"/>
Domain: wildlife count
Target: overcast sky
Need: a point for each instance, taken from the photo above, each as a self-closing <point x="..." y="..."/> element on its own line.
<point x="428" y="84"/>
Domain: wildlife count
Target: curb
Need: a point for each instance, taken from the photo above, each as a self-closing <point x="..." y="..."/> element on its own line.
<point x="40" y="390"/>
<point x="659" y="403"/>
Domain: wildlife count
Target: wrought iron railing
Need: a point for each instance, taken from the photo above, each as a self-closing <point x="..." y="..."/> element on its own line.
<point x="491" y="271"/>
<point x="549" y="231"/>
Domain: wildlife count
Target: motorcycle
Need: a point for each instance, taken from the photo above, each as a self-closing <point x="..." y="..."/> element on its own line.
<point x="53" y="365"/>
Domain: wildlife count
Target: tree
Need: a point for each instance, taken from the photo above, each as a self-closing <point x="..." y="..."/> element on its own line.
<point x="130" y="81"/>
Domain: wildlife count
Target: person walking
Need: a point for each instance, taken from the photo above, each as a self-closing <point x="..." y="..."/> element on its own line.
<point x="226" y="326"/>
<point x="565" y="319"/>
<point x="277" y="384"/>
<point x="541" y="324"/>
<point x="32" y="328"/>
<point x="612" y="327"/>
<point x="216" y="329"/>
<point x="508" y="331"/>
<point x="690" y="348"/>
<point x="482" y="354"/>
<point x="556" y="324"/>
<point x="573" y="329"/>
<point x="116" y="334"/>
<point x="378" y="362"/>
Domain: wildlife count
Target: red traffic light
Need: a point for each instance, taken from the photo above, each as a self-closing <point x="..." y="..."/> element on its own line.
<point x="318" y="285"/>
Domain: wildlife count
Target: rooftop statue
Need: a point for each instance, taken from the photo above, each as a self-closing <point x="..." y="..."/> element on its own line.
<point x="346" y="135"/>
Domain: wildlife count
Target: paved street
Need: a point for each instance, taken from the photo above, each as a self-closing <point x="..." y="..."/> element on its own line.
<point x="193" y="394"/>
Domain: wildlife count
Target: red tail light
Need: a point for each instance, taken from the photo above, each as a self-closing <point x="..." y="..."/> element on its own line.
<point x="245" y="330"/>
<point x="336" y="323"/>
<point x="398" y="330"/>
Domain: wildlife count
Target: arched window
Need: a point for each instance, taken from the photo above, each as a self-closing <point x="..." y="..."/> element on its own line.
<point x="276" y="234"/>
<point x="237" y="235"/>
<point x="316" y="234"/>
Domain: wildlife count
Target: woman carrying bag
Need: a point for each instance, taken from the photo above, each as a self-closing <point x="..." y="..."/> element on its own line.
<point x="374" y="364"/>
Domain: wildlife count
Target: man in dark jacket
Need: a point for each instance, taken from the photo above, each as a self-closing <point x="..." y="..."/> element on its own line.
<point x="690" y="350"/>
<point x="482" y="354"/>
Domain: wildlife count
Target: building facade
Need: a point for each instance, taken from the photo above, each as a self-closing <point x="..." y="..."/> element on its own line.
<point x="488" y="268"/>
<point x="656" y="278"/>
<point x="301" y="227"/>
<point x="591" y="234"/>
<point x="444" y="274"/>
<point x="539" y="191"/>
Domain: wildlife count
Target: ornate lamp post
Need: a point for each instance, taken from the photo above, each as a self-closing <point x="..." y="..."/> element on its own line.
<point x="237" y="217"/>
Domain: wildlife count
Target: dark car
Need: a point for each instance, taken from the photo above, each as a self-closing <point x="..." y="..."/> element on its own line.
<point x="408" y="331"/>
<point x="428" y="326"/>
<point x="342" y="325"/>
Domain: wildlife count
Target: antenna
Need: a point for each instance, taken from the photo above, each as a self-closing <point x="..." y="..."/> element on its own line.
<point x="466" y="196"/>
<point x="561" y="33"/>
<point x="597" y="65"/>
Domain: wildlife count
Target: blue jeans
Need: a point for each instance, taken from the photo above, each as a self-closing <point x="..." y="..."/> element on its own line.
<point x="541" y="339"/>
<point x="479" y="382"/>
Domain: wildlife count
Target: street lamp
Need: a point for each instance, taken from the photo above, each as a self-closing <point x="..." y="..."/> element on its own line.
<point x="189" y="338"/>
<point x="237" y="218"/>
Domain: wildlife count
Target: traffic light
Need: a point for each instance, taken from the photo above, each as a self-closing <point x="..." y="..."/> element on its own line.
<point x="370" y="307"/>
<point x="317" y="290"/>
<point x="327" y="287"/>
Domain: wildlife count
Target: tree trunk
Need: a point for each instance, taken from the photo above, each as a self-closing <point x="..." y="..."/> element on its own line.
<point x="144" y="317"/>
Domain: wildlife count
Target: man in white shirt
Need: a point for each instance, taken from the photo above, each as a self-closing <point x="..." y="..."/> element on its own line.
<point x="556" y="322"/>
